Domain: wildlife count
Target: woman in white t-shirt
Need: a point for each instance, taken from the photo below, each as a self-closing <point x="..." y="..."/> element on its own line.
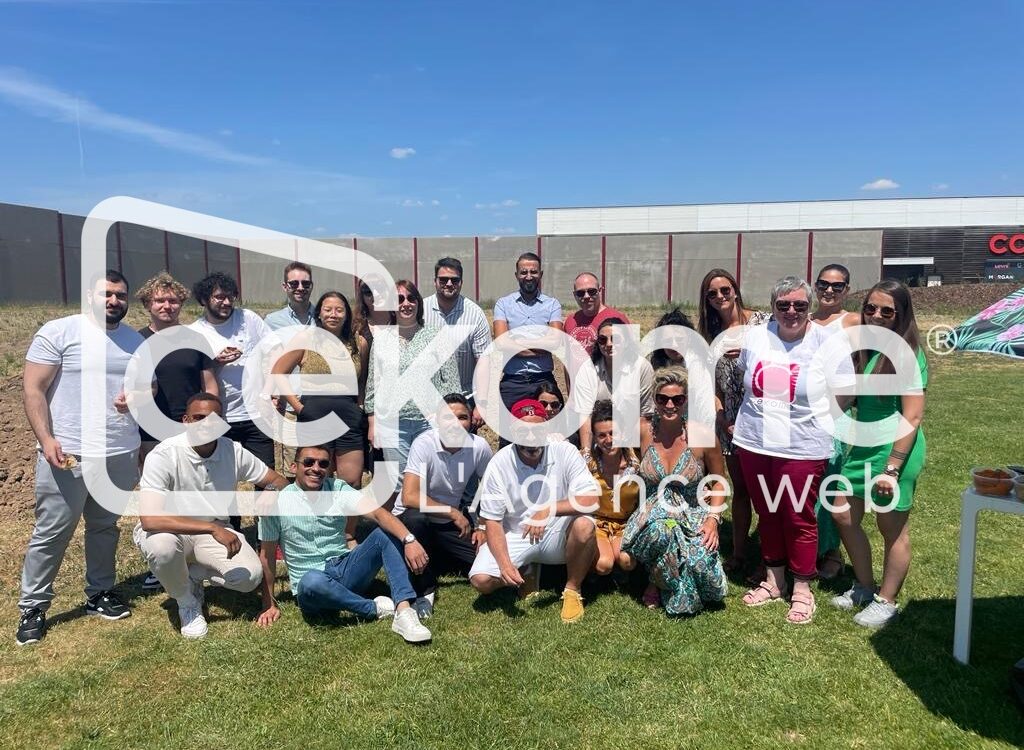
<point x="784" y="443"/>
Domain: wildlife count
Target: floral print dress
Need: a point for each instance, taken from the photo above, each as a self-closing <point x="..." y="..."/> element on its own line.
<point x="665" y="536"/>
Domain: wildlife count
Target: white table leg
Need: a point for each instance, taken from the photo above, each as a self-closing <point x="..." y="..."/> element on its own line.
<point x="965" y="582"/>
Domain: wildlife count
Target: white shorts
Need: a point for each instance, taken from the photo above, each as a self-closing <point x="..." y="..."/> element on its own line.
<point x="550" y="550"/>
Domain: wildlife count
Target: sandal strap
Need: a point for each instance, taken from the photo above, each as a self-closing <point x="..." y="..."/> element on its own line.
<point x="764" y="587"/>
<point x="801" y="598"/>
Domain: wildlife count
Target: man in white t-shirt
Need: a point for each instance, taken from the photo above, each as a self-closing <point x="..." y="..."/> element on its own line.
<point x="535" y="504"/>
<point x="183" y="550"/>
<point x="444" y="467"/>
<point x="233" y="333"/>
<point x="53" y="403"/>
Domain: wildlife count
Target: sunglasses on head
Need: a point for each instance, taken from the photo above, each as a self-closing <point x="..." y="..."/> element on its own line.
<point x="783" y="305"/>
<point x="725" y="292"/>
<point x="886" y="311"/>
<point x="309" y="461"/>
<point x="446" y="280"/>
<point x="823" y="286"/>
<point x="584" y="293"/>
<point x="295" y="284"/>
<point x="663" y="399"/>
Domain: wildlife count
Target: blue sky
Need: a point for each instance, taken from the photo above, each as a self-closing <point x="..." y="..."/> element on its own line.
<point x="395" y="119"/>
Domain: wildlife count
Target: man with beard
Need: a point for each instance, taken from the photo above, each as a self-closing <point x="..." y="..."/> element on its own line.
<point x="534" y="502"/>
<point x="298" y="290"/>
<point x="449" y="307"/>
<point x="233" y="334"/>
<point x="528" y="368"/>
<point x="53" y="402"/>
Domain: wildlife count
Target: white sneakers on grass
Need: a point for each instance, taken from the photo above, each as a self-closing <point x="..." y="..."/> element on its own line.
<point x="385" y="607"/>
<point x="878" y="614"/>
<point x="407" y="624"/>
<point x="193" y="624"/>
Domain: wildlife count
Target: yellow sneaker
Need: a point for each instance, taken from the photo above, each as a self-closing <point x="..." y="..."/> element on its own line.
<point x="572" y="606"/>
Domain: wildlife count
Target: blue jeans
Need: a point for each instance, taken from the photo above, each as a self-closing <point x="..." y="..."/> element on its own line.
<point x="408" y="431"/>
<point x="340" y="585"/>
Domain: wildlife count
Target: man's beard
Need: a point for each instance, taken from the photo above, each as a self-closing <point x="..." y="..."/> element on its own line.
<point x="113" y="318"/>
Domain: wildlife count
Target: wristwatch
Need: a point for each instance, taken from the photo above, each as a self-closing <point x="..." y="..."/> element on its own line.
<point x="408" y="538"/>
<point x="892" y="470"/>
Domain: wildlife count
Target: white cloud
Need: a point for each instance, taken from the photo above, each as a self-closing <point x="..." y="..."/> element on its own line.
<point x="940" y="187"/>
<point x="276" y="142"/>
<point x="402" y="152"/>
<point x="507" y="203"/>
<point x="443" y="217"/>
<point x="411" y="203"/>
<point x="226" y="132"/>
<point x="435" y="202"/>
<point x="504" y="230"/>
<point x="387" y="223"/>
<point x="883" y="183"/>
<point x="318" y="230"/>
<point x="22" y="91"/>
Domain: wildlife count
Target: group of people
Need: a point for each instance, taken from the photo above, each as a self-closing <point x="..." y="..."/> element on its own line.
<point x="543" y="498"/>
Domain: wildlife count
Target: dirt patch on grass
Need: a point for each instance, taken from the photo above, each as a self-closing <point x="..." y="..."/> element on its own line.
<point x="17" y="451"/>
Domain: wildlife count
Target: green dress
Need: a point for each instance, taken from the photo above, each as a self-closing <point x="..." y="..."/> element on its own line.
<point x="872" y="409"/>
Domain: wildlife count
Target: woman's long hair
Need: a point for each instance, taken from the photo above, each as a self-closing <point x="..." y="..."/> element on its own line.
<point x="674" y="317"/>
<point x="709" y="324"/>
<point x="906" y="324"/>
<point x="345" y="335"/>
<point x="414" y="293"/>
<point x="596" y="355"/>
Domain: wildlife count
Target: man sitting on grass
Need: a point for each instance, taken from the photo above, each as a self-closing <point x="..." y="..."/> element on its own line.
<point x="184" y="550"/>
<point x="533" y="502"/>
<point x="327" y="571"/>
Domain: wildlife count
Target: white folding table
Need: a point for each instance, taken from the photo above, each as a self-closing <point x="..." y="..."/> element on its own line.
<point x="971" y="504"/>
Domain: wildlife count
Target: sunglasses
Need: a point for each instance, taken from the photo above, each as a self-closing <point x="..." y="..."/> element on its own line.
<point x="725" y="291"/>
<point x="552" y="405"/>
<point x="402" y="298"/>
<point x="662" y="399"/>
<point x="783" y="305"/>
<point x="836" y="286"/>
<point x="614" y="339"/>
<point x="449" y="280"/>
<point x="584" y="293"/>
<point x="323" y="463"/>
<point x="294" y="284"/>
<point x="885" y="310"/>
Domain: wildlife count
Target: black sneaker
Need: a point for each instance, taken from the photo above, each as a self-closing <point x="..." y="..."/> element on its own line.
<point x="151" y="582"/>
<point x="31" y="626"/>
<point x="106" y="605"/>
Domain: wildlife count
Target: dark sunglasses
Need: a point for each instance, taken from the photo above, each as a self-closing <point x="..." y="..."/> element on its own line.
<point x="403" y="297"/>
<point x="446" y="280"/>
<point x="662" y="399"/>
<point x="613" y="339"/>
<point x="584" y="293"/>
<point x="783" y="305"/>
<point x="725" y="291"/>
<point x="553" y="405"/>
<point x="323" y="463"/>
<point x="294" y="284"/>
<point x="885" y="310"/>
<point x="836" y="286"/>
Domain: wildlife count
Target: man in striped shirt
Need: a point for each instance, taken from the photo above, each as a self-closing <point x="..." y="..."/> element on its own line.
<point x="449" y="307"/>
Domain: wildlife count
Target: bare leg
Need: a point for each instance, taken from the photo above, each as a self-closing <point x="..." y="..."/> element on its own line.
<point x="605" y="561"/>
<point x="580" y="549"/>
<point x="895" y="528"/>
<point x="348" y="466"/>
<point x="854" y="539"/>
<point x="624" y="559"/>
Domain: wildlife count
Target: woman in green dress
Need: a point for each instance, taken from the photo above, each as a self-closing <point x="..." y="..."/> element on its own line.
<point x="896" y="463"/>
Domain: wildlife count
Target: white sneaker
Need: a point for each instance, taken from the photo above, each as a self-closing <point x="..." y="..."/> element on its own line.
<point x="854" y="597"/>
<point x="193" y="624"/>
<point x="878" y="614"/>
<point x="407" y="624"/>
<point x="385" y="607"/>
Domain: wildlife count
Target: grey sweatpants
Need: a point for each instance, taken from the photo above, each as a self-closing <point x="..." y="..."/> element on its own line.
<point x="61" y="500"/>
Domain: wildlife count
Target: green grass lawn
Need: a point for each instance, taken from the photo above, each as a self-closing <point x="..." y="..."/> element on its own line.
<point x="503" y="674"/>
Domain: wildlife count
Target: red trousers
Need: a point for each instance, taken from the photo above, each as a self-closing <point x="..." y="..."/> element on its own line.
<point x="788" y="531"/>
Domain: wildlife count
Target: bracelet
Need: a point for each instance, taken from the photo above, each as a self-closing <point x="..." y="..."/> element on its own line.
<point x="898" y="455"/>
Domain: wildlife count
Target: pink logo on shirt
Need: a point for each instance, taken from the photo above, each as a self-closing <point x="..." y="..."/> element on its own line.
<point x="775" y="381"/>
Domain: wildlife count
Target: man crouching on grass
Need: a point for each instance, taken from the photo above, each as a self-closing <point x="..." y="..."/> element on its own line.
<point x="327" y="571"/>
<point x="533" y="502"/>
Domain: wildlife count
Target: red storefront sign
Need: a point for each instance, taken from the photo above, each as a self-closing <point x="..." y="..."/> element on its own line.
<point x="1000" y="243"/>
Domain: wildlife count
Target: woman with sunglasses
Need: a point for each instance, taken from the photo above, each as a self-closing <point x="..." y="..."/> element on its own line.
<point x="614" y="469"/>
<point x="783" y="443"/>
<point x="549" y="395"/>
<point x="636" y="381"/>
<point x="721" y="308"/>
<point x="831" y="288"/>
<point x="367" y="315"/>
<point x="671" y="532"/>
<point x="899" y="462"/>
<point x="399" y="347"/>
<point x="334" y="315"/>
<point x="670" y="357"/>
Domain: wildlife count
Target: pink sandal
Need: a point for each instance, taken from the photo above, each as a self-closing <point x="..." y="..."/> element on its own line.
<point x="762" y="594"/>
<point x="805" y="614"/>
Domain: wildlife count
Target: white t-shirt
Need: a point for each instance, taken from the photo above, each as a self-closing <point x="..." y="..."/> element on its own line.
<point x="174" y="466"/>
<point x="636" y="385"/>
<point x="513" y="491"/>
<point x="444" y="475"/>
<point x="243" y="330"/>
<point x="776" y="416"/>
<point x="59" y="343"/>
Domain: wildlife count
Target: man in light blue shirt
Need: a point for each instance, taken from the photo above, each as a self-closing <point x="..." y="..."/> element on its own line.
<point x="298" y="288"/>
<point x="327" y="571"/>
